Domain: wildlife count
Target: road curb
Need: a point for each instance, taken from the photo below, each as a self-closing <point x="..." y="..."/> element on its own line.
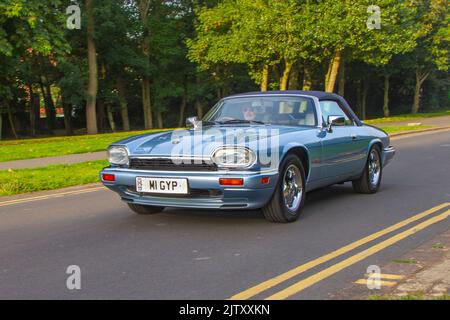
<point x="407" y="133"/>
<point x="51" y="193"/>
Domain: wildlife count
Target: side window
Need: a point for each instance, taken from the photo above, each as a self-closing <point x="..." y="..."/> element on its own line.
<point x="332" y="108"/>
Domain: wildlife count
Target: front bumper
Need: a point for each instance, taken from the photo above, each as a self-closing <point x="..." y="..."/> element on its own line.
<point x="388" y="154"/>
<point x="205" y="190"/>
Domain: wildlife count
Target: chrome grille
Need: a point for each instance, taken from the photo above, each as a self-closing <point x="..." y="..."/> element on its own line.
<point x="164" y="164"/>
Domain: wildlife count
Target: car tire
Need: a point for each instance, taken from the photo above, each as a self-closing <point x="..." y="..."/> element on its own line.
<point x="141" y="209"/>
<point x="284" y="207"/>
<point x="370" y="180"/>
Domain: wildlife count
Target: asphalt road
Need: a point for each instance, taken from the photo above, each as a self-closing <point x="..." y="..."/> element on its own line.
<point x="189" y="254"/>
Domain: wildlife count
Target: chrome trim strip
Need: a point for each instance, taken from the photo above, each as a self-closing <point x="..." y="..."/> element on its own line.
<point x="170" y="157"/>
<point x="196" y="172"/>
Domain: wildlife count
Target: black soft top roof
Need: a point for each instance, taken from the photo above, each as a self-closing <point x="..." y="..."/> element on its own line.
<point x="321" y="95"/>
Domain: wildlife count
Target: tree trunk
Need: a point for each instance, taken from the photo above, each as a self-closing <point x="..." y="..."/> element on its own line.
<point x="341" y="83"/>
<point x="146" y="103"/>
<point x="32" y="113"/>
<point x="294" y="83"/>
<point x="333" y="71"/>
<point x="421" y="76"/>
<point x="364" y="98"/>
<point x="100" y="113"/>
<point x="416" y="102"/>
<point x="386" y="96"/>
<point x="359" y="97"/>
<point x="67" y="117"/>
<point x="284" y="81"/>
<point x="50" y="106"/>
<point x="182" y="108"/>
<point x="35" y="113"/>
<point x="144" y="10"/>
<point x="11" y="123"/>
<point x="199" y="108"/>
<point x="48" y="114"/>
<point x="220" y="92"/>
<point x="265" y="78"/>
<point x="159" y="119"/>
<point x="307" y="78"/>
<point x="110" y="114"/>
<point x="91" y="119"/>
<point x="123" y="104"/>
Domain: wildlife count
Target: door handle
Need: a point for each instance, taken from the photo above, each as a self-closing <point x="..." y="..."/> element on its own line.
<point x="354" y="136"/>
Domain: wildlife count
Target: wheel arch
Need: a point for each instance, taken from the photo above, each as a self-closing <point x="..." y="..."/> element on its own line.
<point x="303" y="154"/>
<point x="376" y="142"/>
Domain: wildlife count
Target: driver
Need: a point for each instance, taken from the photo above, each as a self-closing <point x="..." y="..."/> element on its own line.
<point x="249" y="113"/>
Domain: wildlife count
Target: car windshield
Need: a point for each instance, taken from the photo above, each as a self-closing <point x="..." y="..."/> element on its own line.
<point x="280" y="110"/>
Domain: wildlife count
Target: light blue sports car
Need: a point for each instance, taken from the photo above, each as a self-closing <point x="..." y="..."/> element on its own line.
<point x="257" y="150"/>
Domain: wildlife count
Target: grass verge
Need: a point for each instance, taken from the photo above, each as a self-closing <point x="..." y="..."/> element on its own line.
<point x="47" y="147"/>
<point x="405" y="261"/>
<point x="38" y="148"/>
<point x="406" y="117"/>
<point x="48" y="178"/>
<point x="396" y="129"/>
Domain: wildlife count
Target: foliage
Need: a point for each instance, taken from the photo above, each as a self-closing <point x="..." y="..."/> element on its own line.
<point x="48" y="178"/>
<point x="202" y="50"/>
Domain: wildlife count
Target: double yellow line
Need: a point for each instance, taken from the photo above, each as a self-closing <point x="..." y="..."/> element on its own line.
<point x="49" y="196"/>
<point x="317" y="277"/>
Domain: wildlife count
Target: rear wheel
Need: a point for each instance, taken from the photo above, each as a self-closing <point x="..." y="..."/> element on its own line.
<point x="141" y="209"/>
<point x="287" y="201"/>
<point x="370" y="180"/>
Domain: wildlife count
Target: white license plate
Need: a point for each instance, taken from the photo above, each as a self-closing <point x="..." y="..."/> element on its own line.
<point x="161" y="185"/>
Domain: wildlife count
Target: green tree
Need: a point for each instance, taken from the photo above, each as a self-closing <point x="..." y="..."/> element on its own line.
<point x="343" y="32"/>
<point x="432" y="51"/>
<point x="257" y="33"/>
<point x="31" y="33"/>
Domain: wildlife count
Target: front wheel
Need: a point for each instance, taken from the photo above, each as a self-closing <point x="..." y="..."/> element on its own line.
<point x="141" y="209"/>
<point x="370" y="180"/>
<point x="288" y="199"/>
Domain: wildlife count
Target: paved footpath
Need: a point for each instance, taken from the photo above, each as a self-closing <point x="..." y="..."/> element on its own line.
<point x="433" y="121"/>
<point x="43" y="162"/>
<point x="84" y="157"/>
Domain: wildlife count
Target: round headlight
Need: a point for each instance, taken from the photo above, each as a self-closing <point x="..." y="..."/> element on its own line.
<point x="118" y="155"/>
<point x="234" y="157"/>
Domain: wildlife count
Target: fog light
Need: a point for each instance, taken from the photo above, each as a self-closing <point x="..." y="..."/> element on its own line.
<point x="108" y="177"/>
<point x="231" y="181"/>
<point x="265" y="180"/>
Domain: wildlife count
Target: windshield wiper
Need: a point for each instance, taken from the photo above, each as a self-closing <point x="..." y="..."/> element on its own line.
<point x="241" y="121"/>
<point x="210" y="122"/>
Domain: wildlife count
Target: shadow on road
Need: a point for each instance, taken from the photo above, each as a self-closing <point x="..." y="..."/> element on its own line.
<point x="317" y="200"/>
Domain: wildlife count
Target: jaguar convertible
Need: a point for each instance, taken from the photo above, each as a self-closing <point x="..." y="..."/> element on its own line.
<point x="257" y="150"/>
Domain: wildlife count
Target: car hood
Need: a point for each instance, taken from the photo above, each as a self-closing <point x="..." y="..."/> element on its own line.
<point x="197" y="143"/>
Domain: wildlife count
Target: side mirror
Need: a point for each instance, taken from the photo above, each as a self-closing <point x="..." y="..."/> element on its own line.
<point x="193" y="122"/>
<point x="335" y="121"/>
